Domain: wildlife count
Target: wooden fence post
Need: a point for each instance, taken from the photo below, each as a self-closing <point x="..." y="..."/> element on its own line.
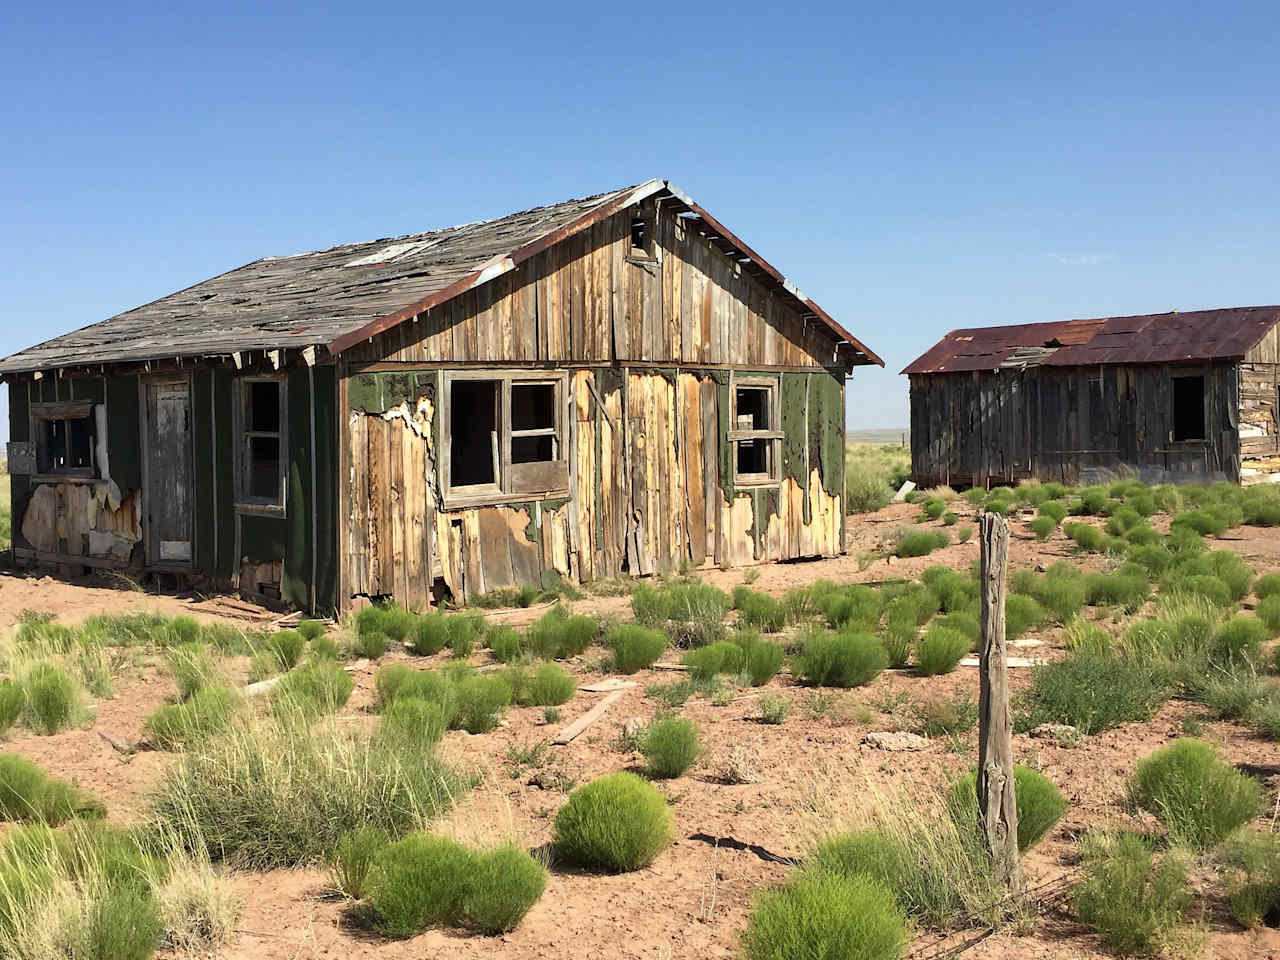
<point x="997" y="806"/>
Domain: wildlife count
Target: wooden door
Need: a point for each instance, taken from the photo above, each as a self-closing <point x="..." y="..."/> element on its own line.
<point x="168" y="472"/>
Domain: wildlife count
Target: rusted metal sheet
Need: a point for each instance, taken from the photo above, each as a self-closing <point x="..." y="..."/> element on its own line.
<point x="1221" y="334"/>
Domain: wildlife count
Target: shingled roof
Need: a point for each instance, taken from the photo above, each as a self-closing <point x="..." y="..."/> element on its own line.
<point x="337" y="297"/>
<point x="1224" y="334"/>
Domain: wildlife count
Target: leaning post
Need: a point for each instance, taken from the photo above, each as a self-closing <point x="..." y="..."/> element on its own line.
<point x="997" y="806"/>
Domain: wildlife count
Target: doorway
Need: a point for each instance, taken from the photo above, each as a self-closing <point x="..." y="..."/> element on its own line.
<point x="167" y="466"/>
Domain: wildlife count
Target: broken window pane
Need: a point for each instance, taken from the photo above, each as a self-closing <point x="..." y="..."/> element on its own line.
<point x="264" y="406"/>
<point x="753" y="456"/>
<point x="753" y="408"/>
<point x="473" y="425"/>
<point x="264" y="468"/>
<point x="532" y="449"/>
<point x="533" y="406"/>
<point x="67" y="445"/>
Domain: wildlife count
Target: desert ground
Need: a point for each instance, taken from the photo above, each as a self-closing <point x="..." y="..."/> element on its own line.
<point x="804" y="778"/>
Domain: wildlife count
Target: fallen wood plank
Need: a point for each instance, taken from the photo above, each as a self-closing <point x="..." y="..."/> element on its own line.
<point x="680" y="667"/>
<point x="587" y="719"/>
<point x="1010" y="661"/>
<point x="262" y="686"/>
<point x="118" y="745"/>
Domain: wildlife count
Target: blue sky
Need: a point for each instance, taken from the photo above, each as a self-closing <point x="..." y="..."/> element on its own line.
<point x="913" y="171"/>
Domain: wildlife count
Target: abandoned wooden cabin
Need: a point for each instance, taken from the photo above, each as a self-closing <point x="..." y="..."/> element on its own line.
<point x="603" y="386"/>
<point x="1175" y="397"/>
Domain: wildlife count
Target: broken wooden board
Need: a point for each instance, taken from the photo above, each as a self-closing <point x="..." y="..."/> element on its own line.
<point x="1010" y="661"/>
<point x="574" y="729"/>
<point x="608" y="685"/>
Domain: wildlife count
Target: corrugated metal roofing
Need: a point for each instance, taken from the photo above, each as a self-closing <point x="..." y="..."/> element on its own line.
<point x="1222" y="334"/>
<point x="333" y="298"/>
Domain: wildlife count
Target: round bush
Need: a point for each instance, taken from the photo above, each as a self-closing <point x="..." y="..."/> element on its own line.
<point x="635" y="647"/>
<point x="617" y="823"/>
<point x="324" y="648"/>
<point x="763" y="658"/>
<point x="310" y="629"/>
<point x="505" y="644"/>
<point x="505" y="883"/>
<point x="720" y="657"/>
<point x="820" y="914"/>
<point x="22" y="785"/>
<point x="760" y="610"/>
<point x="549" y="686"/>
<point x="12" y="700"/>
<point x="840" y="659"/>
<point x="1021" y="613"/>
<point x="315" y="689"/>
<point x="940" y="650"/>
<point x="430" y="634"/>
<point x="670" y="745"/>
<point x="920" y="543"/>
<point x="51" y="697"/>
<point x="481" y="700"/>
<point x="1239" y="639"/>
<point x="1040" y="804"/>
<point x="1042" y="526"/>
<point x="409" y="720"/>
<point x="418" y="883"/>
<point x="1134" y="900"/>
<point x="1266" y="585"/>
<point x="287" y="646"/>
<point x="1054" y="510"/>
<point x="1091" y="692"/>
<point x="1199" y="798"/>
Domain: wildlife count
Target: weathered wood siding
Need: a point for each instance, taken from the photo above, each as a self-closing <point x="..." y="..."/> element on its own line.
<point x="650" y="486"/>
<point x="1260" y="411"/>
<point x="1069" y="424"/>
<point x="584" y="300"/>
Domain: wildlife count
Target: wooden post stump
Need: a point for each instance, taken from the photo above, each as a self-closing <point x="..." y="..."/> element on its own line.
<point x="997" y="805"/>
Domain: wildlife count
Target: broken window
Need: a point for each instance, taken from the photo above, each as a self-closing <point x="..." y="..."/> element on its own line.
<point x="65" y="434"/>
<point x="260" y="471"/>
<point x="505" y="436"/>
<point x="1188" y="408"/>
<point x="754" y="433"/>
<point x="642" y="228"/>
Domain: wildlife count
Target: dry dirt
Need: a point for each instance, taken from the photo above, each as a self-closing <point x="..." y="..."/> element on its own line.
<point x="694" y="900"/>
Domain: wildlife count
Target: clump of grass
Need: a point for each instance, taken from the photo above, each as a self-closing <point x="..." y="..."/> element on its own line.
<point x="557" y="635"/>
<point x="353" y="857"/>
<point x="761" y="658"/>
<point x="53" y="700"/>
<point x="940" y="650"/>
<point x="964" y="534"/>
<point x="946" y="716"/>
<point x="690" y="611"/>
<point x="670" y="745"/>
<point x="1127" y="591"/>
<point x="504" y="884"/>
<point x="1251" y="862"/>
<point x="481" y="701"/>
<point x="12" y="701"/>
<point x="193" y="667"/>
<point x="616" y="823"/>
<point x="773" y="709"/>
<point x="419" y="882"/>
<point x="267" y="794"/>
<point x="722" y="657"/>
<point x="1084" y="637"/>
<point x="1042" y="526"/>
<point x="866" y="486"/>
<point x="505" y="643"/>
<point x="918" y="543"/>
<point x="286" y="646"/>
<point x="1053" y="510"/>
<point x="28" y="793"/>
<point x="206" y="712"/>
<point x="634" y="647"/>
<point x="1040" y="804"/>
<point x="840" y="659"/>
<point x="1021" y="613"/>
<point x="324" y="647"/>
<point x="1086" y="537"/>
<point x="1239" y="640"/>
<point x="413" y="723"/>
<point x="759" y="610"/>
<point x="549" y="686"/>
<point x="1199" y="798"/>
<point x="312" y="690"/>
<point x="1091" y="692"/>
<point x="822" y="914"/>
<point x="855" y="606"/>
<point x="1134" y="899"/>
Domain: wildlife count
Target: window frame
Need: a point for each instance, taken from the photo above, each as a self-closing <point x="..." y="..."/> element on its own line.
<point x="514" y="482"/>
<point x="244" y="501"/>
<point x="774" y="436"/>
<point x="44" y="412"/>
<point x="1173" y="408"/>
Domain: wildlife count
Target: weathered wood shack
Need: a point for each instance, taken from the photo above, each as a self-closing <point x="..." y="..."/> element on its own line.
<point x="1175" y="397"/>
<point x="603" y="386"/>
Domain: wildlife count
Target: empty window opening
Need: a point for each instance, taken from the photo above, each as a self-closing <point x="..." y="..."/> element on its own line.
<point x="1188" y="408"/>
<point x="262" y="443"/>
<point x="533" y="422"/>
<point x="66" y="445"/>
<point x="639" y="234"/>
<point x="473" y="425"/>
<point x="753" y="457"/>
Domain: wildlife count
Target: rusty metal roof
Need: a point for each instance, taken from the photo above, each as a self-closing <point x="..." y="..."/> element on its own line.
<point x="335" y="298"/>
<point x="1222" y="334"/>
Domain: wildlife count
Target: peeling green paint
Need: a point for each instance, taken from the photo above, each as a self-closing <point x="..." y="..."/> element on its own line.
<point x="764" y="505"/>
<point x="826" y="430"/>
<point x="379" y="392"/>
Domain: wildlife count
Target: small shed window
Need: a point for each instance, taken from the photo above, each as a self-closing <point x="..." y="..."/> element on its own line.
<point x="754" y="432"/>
<point x="1188" y="408"/>
<point x="506" y="436"/>
<point x="65" y="434"/>
<point x="642" y="233"/>
<point x="261" y="450"/>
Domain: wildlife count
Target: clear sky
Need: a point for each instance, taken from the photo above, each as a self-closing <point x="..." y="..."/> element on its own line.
<point x="934" y="166"/>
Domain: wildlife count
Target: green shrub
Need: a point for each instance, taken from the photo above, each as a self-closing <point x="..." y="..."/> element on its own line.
<point x="840" y="659"/>
<point x="311" y="629"/>
<point x="1203" y="522"/>
<point x="1021" y="613"/>
<point x="954" y="590"/>
<point x="1154" y="559"/>
<point x="1268" y="611"/>
<point x="353" y="857"/>
<point x="964" y="534"/>
<point x="27" y="792"/>
<point x="1122" y="520"/>
<point x="1092" y="693"/>
<point x="866" y="487"/>
<point x="974" y="496"/>
<point x="919" y="543"/>
<point x="324" y="647"/>
<point x="505" y="883"/>
<point x="418" y="883"/>
<point x="762" y="611"/>
<point x="557" y="635"/>
<point x="371" y="645"/>
<point x="1042" y="527"/>
<point x="1129" y="592"/>
<point x="312" y="690"/>
<point x="821" y="914"/>
<point x="1054" y="510"/>
<point x="1211" y="588"/>
<point x="617" y="822"/>
<point x="465" y="630"/>
<point x="1252" y="862"/>
<point x="1061" y="592"/>
<point x="192" y="667"/>
<point x="773" y="709"/>
<point x="1085" y="536"/>
<point x="1084" y="637"/>
<point x="1093" y="500"/>
<point x="762" y="658"/>
<point x="1040" y="804"/>
<point x="635" y="647"/>
<point x="286" y="646"/>
<point x="180" y="630"/>
<point x="1134" y="900"/>
<point x="208" y="711"/>
<point x="397" y="623"/>
<point x="949" y="519"/>
<point x="932" y="509"/>
<point x="1199" y="798"/>
<point x="722" y="657"/>
<point x="1239" y="639"/>
<point x="124" y="923"/>
<point x="52" y="699"/>
<point x="670" y="745"/>
<point x="263" y="665"/>
<point x="549" y="686"/>
<point x="680" y="601"/>
<point x="481" y="702"/>
<point x="997" y="505"/>
<point x="946" y="716"/>
<point x="506" y="644"/>
<point x="430" y="634"/>
<point x="1266" y="585"/>
<point x="12" y="701"/>
<point x="940" y="650"/>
